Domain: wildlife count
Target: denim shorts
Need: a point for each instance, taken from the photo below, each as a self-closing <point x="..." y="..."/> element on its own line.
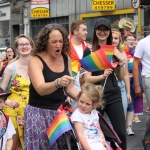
<point x="122" y="86"/>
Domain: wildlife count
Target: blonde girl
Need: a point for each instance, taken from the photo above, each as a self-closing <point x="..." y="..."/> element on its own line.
<point x="86" y="120"/>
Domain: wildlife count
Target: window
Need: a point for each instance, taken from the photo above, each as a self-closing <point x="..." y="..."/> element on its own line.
<point x="37" y="25"/>
<point x="4" y="34"/>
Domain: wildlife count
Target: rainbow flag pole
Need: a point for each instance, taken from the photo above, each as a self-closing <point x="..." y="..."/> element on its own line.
<point x="59" y="125"/>
<point x="80" y="74"/>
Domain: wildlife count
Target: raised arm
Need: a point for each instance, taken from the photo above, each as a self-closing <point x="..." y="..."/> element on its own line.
<point x="93" y="79"/>
<point x="120" y="70"/>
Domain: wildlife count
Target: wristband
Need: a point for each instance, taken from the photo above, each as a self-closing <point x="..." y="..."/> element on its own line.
<point x="121" y="64"/>
<point x="56" y="83"/>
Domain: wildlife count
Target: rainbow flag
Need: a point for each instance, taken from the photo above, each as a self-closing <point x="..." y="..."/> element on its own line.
<point x="129" y="57"/>
<point x="59" y="125"/>
<point x="75" y="68"/>
<point x="130" y="63"/>
<point x="99" y="60"/>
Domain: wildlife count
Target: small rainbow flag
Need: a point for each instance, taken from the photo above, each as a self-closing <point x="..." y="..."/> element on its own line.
<point x="59" y="125"/>
<point x="99" y="60"/>
<point x="130" y="63"/>
<point x="75" y="68"/>
<point x="129" y="57"/>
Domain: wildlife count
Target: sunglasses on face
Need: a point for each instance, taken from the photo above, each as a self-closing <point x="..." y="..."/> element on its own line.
<point x="102" y="30"/>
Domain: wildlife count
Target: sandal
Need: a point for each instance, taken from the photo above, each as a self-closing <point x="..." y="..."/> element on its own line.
<point x="136" y="120"/>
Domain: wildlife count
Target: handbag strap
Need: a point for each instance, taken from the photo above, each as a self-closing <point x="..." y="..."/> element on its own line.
<point x="12" y="77"/>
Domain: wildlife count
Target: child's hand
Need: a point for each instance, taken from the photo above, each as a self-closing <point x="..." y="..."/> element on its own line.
<point x="69" y="100"/>
<point x="106" y="145"/>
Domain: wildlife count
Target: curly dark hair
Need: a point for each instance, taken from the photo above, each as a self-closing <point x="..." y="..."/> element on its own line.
<point x="41" y="40"/>
<point x="12" y="50"/>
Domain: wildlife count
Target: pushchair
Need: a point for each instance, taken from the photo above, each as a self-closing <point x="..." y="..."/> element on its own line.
<point x="71" y="140"/>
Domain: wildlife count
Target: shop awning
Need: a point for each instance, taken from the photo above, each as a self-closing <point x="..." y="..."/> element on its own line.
<point x="145" y="2"/>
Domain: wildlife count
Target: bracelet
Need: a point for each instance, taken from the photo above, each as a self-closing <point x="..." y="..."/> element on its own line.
<point x="121" y="64"/>
<point x="56" y="84"/>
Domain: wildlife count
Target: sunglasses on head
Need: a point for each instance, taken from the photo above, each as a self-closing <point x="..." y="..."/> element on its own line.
<point x="49" y="26"/>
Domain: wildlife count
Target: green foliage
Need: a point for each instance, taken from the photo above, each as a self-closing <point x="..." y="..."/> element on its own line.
<point x="114" y="25"/>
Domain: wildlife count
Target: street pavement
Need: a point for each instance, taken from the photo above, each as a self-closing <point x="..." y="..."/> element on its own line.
<point x="134" y="142"/>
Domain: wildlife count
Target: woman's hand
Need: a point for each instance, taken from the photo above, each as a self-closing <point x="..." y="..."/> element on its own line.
<point x="65" y="81"/>
<point x="12" y="104"/>
<point x="119" y="55"/>
<point x="107" y="72"/>
<point x="129" y="98"/>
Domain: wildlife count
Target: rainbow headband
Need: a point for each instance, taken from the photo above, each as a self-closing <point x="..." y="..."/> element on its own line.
<point x="116" y="32"/>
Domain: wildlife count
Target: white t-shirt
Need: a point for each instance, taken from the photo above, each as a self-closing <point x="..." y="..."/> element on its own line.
<point x="142" y="51"/>
<point x="90" y="128"/>
<point x="10" y="131"/>
<point x="79" y="51"/>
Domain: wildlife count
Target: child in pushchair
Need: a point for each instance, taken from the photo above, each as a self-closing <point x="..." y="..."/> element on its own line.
<point x="89" y="124"/>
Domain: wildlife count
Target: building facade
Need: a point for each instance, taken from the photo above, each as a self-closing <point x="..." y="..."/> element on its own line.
<point x="64" y="12"/>
<point x="4" y="24"/>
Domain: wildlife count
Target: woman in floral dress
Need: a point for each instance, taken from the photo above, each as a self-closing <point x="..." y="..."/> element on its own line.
<point x="16" y="102"/>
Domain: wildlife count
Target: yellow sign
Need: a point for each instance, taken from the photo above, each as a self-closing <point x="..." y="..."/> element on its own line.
<point x="40" y="12"/>
<point x="103" y="4"/>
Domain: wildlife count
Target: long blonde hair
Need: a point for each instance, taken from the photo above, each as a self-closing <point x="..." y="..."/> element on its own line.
<point x="119" y="46"/>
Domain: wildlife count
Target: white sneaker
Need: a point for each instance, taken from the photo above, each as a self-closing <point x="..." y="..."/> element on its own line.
<point x="129" y="131"/>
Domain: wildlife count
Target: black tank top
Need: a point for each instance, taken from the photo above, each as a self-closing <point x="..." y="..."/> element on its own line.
<point x="112" y="91"/>
<point x="51" y="101"/>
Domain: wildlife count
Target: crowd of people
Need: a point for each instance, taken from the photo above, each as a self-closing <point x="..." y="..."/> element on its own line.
<point x="36" y="81"/>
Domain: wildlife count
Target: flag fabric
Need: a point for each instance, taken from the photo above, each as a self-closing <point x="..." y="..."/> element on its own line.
<point x="75" y="68"/>
<point x="59" y="125"/>
<point x="99" y="60"/>
<point x="125" y="49"/>
<point x="130" y="62"/>
<point x="130" y="56"/>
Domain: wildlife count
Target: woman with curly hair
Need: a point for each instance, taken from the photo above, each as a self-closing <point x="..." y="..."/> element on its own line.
<point x="10" y="55"/>
<point x="50" y="73"/>
<point x="17" y="101"/>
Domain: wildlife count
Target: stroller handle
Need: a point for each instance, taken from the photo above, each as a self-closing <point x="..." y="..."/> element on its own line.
<point x="65" y="107"/>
